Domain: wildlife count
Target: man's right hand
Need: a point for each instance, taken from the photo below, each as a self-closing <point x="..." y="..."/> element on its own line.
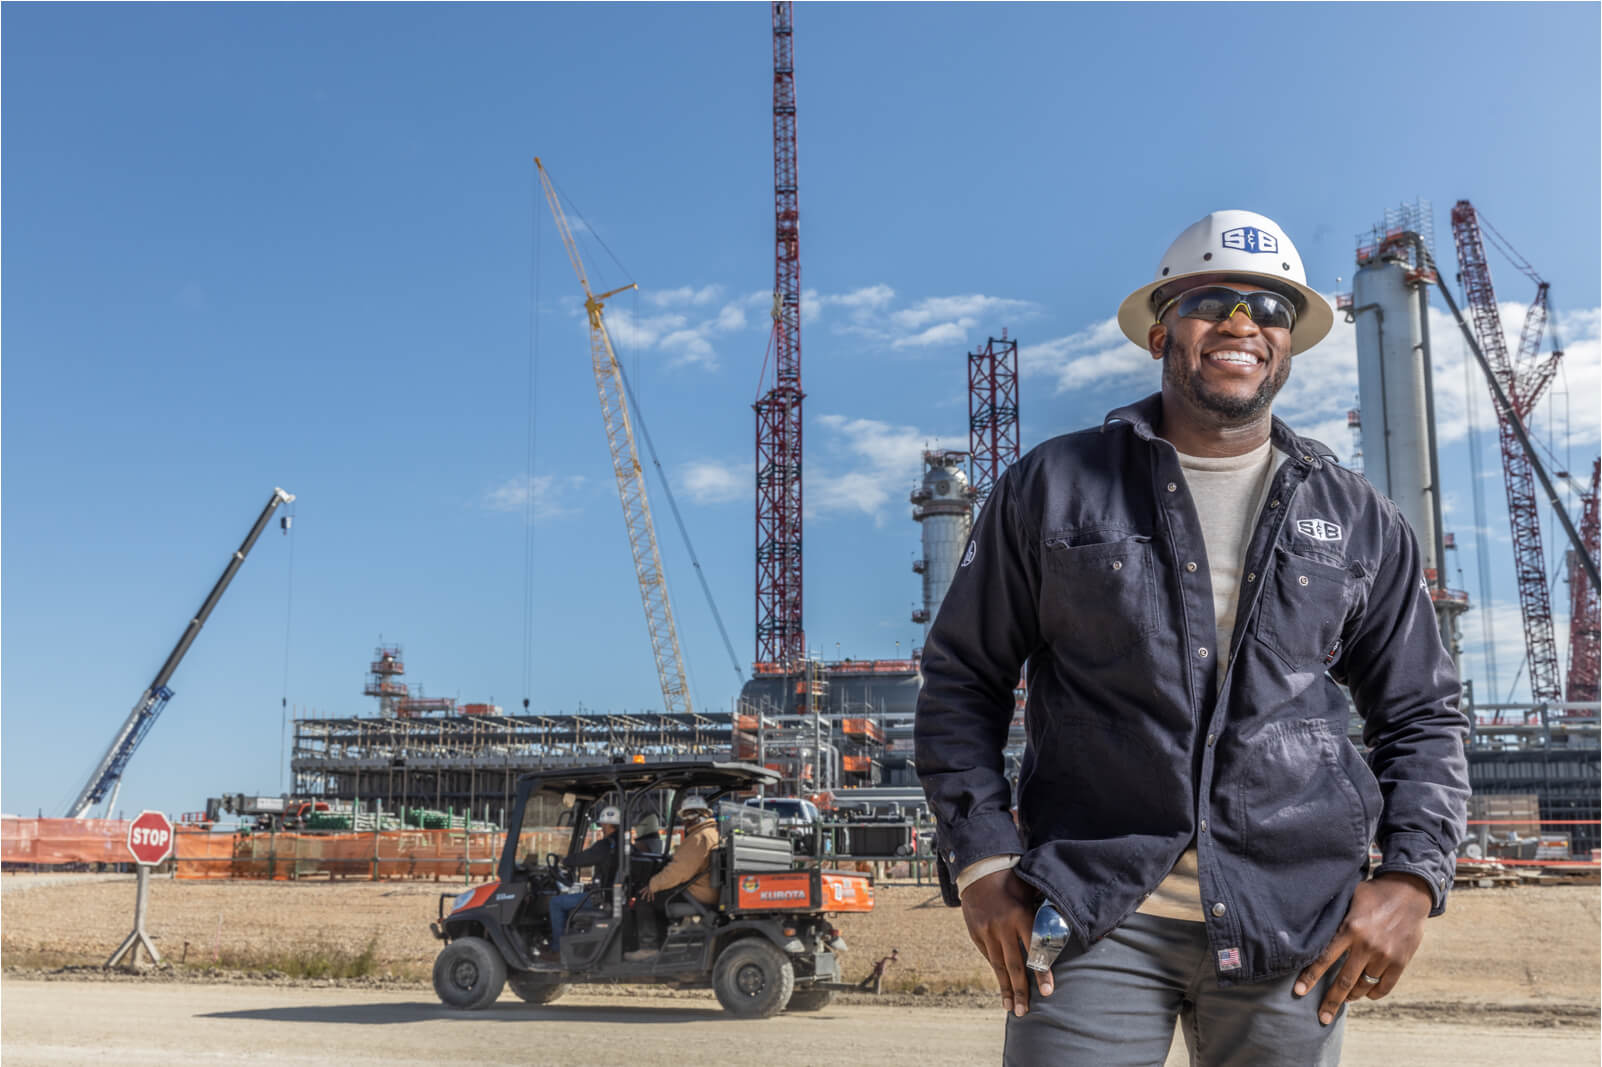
<point x="1000" y="910"/>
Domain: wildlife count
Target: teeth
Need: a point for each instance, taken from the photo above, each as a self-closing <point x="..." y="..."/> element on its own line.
<point x="1245" y="359"/>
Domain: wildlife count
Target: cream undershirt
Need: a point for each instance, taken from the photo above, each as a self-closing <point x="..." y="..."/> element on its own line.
<point x="1229" y="494"/>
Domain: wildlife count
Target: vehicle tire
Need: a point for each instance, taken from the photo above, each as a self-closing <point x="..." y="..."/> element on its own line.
<point x="535" y="988"/>
<point x="753" y="979"/>
<point x="809" y="1000"/>
<point x="469" y="973"/>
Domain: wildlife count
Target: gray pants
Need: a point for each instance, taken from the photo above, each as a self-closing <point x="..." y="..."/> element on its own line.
<point x="1115" y="1004"/>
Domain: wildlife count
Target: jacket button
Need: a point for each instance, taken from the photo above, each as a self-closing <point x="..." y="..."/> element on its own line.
<point x="1172" y="487"/>
<point x="951" y="857"/>
<point x="1191" y="566"/>
<point x="1210" y="739"/>
<point x="1252" y="577"/>
<point x="1202" y="652"/>
<point x="1204" y="826"/>
<point x="1219" y="909"/>
<point x="1301" y="579"/>
<point x="1118" y="564"/>
<point x="1273" y="504"/>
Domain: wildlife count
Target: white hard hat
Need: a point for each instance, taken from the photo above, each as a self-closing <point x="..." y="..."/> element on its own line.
<point x="693" y="807"/>
<point x="609" y="816"/>
<point x="1237" y="245"/>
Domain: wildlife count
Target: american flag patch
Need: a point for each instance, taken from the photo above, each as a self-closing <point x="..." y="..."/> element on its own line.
<point x="1229" y="959"/>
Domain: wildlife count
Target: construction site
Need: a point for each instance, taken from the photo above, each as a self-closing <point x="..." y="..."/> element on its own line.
<point x="839" y="731"/>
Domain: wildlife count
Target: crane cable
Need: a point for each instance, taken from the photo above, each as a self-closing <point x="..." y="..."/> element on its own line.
<point x="535" y="277"/>
<point x="286" y="523"/>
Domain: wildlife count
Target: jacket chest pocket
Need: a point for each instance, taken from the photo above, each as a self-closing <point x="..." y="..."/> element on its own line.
<point x="1303" y="610"/>
<point x="1098" y="601"/>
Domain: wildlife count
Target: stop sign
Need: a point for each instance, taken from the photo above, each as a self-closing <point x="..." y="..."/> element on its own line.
<point x="150" y="837"/>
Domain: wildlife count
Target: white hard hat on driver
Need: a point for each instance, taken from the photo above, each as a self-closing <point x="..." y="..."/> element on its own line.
<point x="1234" y="245"/>
<point x="609" y="816"/>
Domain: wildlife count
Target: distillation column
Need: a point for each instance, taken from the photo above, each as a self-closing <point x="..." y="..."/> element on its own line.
<point x="943" y="506"/>
<point x="1390" y="306"/>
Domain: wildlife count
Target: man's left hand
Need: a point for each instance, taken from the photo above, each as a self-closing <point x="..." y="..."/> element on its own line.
<point x="1382" y="929"/>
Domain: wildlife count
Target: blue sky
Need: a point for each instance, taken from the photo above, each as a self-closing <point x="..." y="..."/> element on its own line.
<point x="248" y="246"/>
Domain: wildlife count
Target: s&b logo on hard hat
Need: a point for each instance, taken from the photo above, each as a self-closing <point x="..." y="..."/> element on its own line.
<point x="1250" y="239"/>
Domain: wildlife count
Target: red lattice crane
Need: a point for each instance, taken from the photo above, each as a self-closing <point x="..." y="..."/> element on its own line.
<point x="1583" y="608"/>
<point x="992" y="413"/>
<point x="1523" y="378"/>
<point x="779" y="635"/>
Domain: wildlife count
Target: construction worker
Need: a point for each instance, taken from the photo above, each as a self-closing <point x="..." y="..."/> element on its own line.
<point x="601" y="855"/>
<point x="690" y="863"/>
<point x="1187" y="583"/>
<point x="648" y="835"/>
<point x="689" y="867"/>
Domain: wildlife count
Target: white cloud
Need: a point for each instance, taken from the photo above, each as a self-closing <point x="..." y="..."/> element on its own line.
<point x="685" y="294"/>
<point x="866" y="466"/>
<point x="1096" y="355"/>
<point x="946" y="333"/>
<point x="970" y="306"/>
<point x="713" y="482"/>
<point x="551" y="496"/>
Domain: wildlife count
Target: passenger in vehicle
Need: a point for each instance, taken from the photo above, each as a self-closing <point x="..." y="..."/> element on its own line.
<point x="689" y="866"/>
<point x="648" y="835"/>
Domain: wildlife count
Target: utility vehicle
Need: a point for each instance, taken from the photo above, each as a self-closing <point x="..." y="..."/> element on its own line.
<point x="764" y="945"/>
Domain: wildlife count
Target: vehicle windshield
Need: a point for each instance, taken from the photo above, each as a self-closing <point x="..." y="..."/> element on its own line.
<point x="547" y="827"/>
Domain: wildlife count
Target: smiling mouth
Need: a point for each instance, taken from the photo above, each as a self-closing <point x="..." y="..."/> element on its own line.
<point x="1233" y="358"/>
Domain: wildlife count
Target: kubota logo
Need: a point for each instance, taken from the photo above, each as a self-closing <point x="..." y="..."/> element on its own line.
<point x="750" y="884"/>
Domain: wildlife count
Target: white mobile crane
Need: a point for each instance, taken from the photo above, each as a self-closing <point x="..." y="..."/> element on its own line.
<point x="106" y="779"/>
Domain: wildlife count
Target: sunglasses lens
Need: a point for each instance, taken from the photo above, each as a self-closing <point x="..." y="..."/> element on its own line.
<point x="1271" y="309"/>
<point x="1217" y="303"/>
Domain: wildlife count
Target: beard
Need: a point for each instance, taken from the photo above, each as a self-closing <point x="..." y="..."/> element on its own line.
<point x="1228" y="409"/>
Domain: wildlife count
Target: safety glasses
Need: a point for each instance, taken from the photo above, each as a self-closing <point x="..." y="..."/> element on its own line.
<point x="1215" y="303"/>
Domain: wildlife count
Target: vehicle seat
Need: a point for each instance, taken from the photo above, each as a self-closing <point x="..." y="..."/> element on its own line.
<point x="681" y="905"/>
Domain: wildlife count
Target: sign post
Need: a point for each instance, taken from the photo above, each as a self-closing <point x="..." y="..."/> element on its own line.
<point x="149" y="842"/>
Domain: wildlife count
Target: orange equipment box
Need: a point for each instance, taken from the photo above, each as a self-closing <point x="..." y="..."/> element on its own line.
<point x="816" y="890"/>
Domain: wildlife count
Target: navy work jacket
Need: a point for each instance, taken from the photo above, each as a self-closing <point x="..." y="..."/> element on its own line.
<point x="1087" y="564"/>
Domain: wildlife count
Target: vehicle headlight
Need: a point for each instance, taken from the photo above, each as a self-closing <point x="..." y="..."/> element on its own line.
<point x="461" y="901"/>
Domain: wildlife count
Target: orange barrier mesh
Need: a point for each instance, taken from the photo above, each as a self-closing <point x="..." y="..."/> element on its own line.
<point x="57" y="842"/>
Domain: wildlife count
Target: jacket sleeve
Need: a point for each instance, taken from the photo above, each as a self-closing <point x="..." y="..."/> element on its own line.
<point x="689" y="860"/>
<point x="598" y="853"/>
<point x="986" y="629"/>
<point x="1406" y="689"/>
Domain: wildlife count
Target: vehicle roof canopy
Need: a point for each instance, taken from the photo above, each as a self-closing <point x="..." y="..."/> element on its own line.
<point x="686" y="774"/>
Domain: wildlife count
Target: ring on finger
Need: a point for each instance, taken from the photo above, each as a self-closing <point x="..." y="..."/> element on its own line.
<point x="1370" y="979"/>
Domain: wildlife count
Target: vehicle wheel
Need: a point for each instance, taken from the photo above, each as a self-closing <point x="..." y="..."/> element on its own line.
<point x="753" y="979"/>
<point x="469" y="973"/>
<point x="535" y="988"/>
<point x="809" y="1000"/>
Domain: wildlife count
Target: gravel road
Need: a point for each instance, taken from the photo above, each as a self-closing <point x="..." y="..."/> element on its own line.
<point x="65" y="1022"/>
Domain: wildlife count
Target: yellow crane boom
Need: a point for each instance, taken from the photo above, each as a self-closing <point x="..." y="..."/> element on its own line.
<point x="630" y="476"/>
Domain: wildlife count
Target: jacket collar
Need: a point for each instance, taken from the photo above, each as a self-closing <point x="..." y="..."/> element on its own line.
<point x="1144" y="414"/>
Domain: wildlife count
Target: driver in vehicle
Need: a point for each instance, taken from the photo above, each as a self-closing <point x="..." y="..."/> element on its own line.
<point x="602" y="855"/>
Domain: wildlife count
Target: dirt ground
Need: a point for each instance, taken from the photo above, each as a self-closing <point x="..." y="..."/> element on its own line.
<point x="73" y="1022"/>
<point x="1526" y="956"/>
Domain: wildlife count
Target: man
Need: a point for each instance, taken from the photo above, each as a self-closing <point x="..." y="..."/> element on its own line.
<point x="601" y="855"/>
<point x="648" y="835"/>
<point x="1187" y="583"/>
<point x="689" y="866"/>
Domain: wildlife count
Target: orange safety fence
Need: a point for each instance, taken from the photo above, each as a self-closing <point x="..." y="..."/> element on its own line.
<point x="57" y="842"/>
<point x="200" y="853"/>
